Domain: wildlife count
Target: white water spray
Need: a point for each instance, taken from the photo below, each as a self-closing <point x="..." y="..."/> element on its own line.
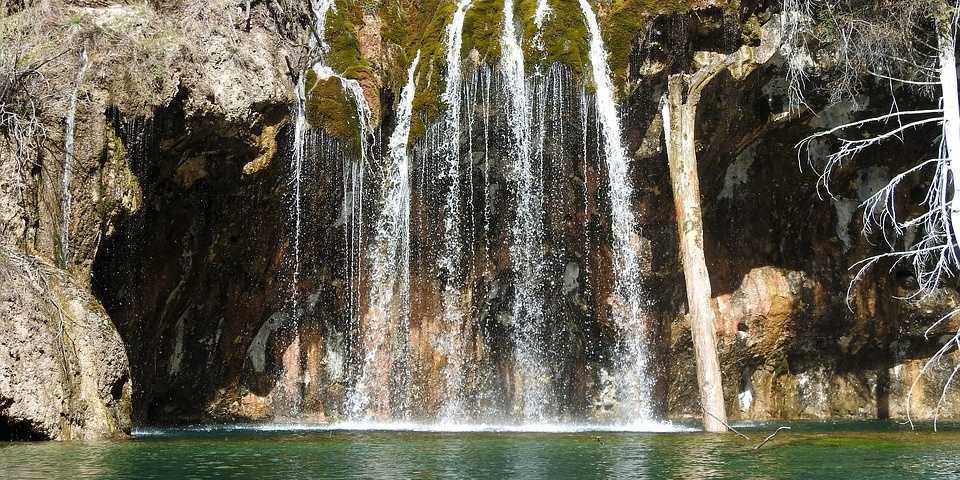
<point x="298" y="150"/>
<point x="353" y="169"/>
<point x="387" y="319"/>
<point x="320" y="10"/>
<point x="540" y="14"/>
<point x="633" y="386"/>
<point x="526" y="246"/>
<point x="588" y="249"/>
<point x="297" y="154"/>
<point x="451" y="343"/>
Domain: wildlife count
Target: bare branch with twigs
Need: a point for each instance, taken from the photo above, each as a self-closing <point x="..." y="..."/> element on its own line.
<point x="725" y="424"/>
<point x="770" y="437"/>
<point x="873" y="43"/>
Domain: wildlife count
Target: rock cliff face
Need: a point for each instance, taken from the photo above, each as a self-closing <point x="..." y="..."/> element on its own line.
<point x="121" y="65"/>
<point x="180" y="225"/>
<point x="63" y="368"/>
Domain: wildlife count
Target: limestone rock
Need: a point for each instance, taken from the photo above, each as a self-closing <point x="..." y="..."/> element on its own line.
<point x="63" y="368"/>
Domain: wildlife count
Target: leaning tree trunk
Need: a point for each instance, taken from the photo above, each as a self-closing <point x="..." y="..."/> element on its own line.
<point x="679" y="117"/>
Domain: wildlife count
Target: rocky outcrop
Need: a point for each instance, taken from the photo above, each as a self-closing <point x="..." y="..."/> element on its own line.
<point x="800" y="338"/>
<point x="63" y="368"/>
<point x="140" y="59"/>
<point x="778" y="365"/>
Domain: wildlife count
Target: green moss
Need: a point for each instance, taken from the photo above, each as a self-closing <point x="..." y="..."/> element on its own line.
<point x="341" y="33"/>
<point x="432" y="45"/>
<point x="623" y="21"/>
<point x="482" y="26"/>
<point x="752" y="30"/>
<point x="75" y="20"/>
<point x="412" y="26"/>
<point x="371" y="6"/>
<point x="329" y="108"/>
<point x="116" y="181"/>
<point x="563" y="38"/>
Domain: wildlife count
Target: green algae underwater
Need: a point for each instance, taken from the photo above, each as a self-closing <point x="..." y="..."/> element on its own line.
<point x="810" y="451"/>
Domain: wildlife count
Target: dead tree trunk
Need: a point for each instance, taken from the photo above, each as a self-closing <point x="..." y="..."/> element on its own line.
<point x="951" y="121"/>
<point x="679" y="118"/>
<point x="679" y="124"/>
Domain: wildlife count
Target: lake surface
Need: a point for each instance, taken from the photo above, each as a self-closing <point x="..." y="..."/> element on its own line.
<point x="810" y="451"/>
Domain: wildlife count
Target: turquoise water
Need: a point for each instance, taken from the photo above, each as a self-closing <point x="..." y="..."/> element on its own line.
<point x="848" y="451"/>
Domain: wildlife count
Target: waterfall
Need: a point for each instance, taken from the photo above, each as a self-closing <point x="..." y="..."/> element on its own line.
<point x="298" y="149"/>
<point x="539" y="16"/>
<point x="528" y="123"/>
<point x="69" y="149"/>
<point x="450" y="344"/>
<point x="387" y="318"/>
<point x="587" y="249"/>
<point x="320" y="9"/>
<point x="631" y="376"/>
<point x="526" y="246"/>
<point x="296" y="168"/>
<point x="486" y="161"/>
<point x="353" y="173"/>
<point x="298" y="155"/>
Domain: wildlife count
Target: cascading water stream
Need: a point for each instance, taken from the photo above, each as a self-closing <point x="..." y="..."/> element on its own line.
<point x="320" y="10"/>
<point x="526" y="246"/>
<point x="298" y="156"/>
<point x="387" y="318"/>
<point x="296" y="168"/>
<point x="588" y="250"/>
<point x="298" y="149"/>
<point x="524" y="150"/>
<point x="359" y="404"/>
<point x="539" y="16"/>
<point x="631" y="377"/>
<point x="354" y="173"/>
<point x="450" y="344"/>
<point x="352" y="216"/>
<point x="69" y="149"/>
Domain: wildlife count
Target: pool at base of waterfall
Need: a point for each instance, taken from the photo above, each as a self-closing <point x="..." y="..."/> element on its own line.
<point x="809" y="451"/>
